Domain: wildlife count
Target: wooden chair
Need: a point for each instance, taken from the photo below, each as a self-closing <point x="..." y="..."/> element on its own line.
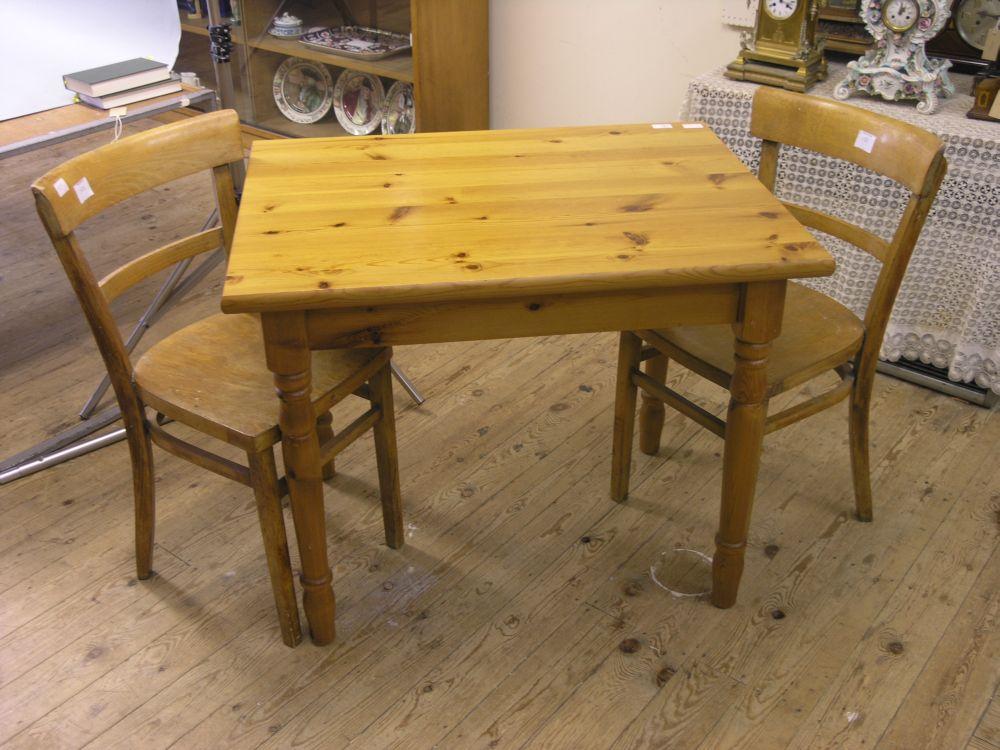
<point x="211" y="375"/>
<point x="818" y="334"/>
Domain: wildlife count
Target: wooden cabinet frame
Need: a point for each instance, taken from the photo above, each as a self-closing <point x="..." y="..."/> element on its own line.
<point x="448" y="65"/>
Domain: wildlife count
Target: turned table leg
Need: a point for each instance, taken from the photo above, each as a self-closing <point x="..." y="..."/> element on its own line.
<point x="760" y="322"/>
<point x="288" y="357"/>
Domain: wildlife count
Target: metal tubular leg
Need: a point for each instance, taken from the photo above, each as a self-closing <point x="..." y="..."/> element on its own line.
<point x="59" y="456"/>
<point x="102" y="419"/>
<point x="407" y="384"/>
<point x="140" y="328"/>
<point x="40" y="456"/>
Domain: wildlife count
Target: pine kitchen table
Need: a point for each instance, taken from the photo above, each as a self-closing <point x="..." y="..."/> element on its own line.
<point x="411" y="239"/>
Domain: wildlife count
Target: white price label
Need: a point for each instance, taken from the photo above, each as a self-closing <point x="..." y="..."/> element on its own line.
<point x="83" y="190"/>
<point x="865" y="141"/>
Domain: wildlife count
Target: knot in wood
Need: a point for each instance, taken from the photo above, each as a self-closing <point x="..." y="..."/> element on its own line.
<point x="629" y="646"/>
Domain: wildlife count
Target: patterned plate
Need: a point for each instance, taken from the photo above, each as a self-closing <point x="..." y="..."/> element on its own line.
<point x="303" y="90"/>
<point x="357" y="41"/>
<point x="397" y="112"/>
<point x="357" y="102"/>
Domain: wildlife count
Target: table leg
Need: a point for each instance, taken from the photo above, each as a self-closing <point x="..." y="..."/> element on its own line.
<point x="288" y="357"/>
<point x="760" y="323"/>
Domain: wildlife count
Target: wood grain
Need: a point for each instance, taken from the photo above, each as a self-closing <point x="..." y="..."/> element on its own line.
<point x="451" y="64"/>
<point x="207" y="375"/>
<point x="760" y="324"/>
<point x="125" y="168"/>
<point x="509" y="427"/>
<point x="289" y="359"/>
<point x="901" y="151"/>
<point x="818" y="334"/>
<point x="435" y="218"/>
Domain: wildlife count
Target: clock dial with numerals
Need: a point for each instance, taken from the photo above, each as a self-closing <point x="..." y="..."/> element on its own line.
<point x="975" y="18"/>
<point x="780" y="9"/>
<point x="900" y="15"/>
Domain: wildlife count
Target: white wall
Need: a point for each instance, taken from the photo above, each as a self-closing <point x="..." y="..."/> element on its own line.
<point x="574" y="62"/>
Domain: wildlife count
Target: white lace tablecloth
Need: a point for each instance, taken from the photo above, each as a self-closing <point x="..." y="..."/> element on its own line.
<point x="948" y="310"/>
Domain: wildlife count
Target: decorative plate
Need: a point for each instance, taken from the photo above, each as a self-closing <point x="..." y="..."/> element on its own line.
<point x="357" y="102"/>
<point x="360" y="42"/>
<point x="303" y="90"/>
<point x="398" y="112"/>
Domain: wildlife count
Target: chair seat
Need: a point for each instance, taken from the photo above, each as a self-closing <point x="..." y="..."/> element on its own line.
<point x="817" y="334"/>
<point x="212" y="376"/>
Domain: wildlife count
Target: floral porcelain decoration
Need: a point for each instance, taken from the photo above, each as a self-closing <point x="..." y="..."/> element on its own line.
<point x="897" y="66"/>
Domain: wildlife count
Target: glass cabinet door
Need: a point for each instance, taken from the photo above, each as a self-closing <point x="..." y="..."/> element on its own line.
<point x="316" y="78"/>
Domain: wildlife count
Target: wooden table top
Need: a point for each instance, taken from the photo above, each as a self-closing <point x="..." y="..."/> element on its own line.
<point x="349" y="222"/>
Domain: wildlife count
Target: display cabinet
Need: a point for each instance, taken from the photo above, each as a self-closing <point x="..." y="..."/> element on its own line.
<point x="844" y="30"/>
<point x="447" y="62"/>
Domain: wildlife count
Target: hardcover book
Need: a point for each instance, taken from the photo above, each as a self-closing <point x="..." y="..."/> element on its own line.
<point x="110" y="79"/>
<point x="141" y="93"/>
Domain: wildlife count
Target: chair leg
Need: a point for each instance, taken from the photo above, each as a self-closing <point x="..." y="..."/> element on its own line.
<point x="652" y="412"/>
<point x="141" y="451"/>
<point x="629" y="350"/>
<point x="264" y="478"/>
<point x="860" y="402"/>
<point x="387" y="458"/>
<point x="324" y="429"/>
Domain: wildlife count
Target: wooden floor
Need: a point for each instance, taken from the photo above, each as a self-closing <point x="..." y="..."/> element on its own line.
<point x="521" y="612"/>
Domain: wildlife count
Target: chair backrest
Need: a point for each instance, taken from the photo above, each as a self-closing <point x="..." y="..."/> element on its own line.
<point x="906" y="154"/>
<point x="88" y="184"/>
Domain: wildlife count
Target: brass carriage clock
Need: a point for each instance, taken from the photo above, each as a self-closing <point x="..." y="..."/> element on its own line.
<point x="783" y="49"/>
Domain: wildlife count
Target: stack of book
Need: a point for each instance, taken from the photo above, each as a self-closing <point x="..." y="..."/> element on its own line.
<point x="122" y="83"/>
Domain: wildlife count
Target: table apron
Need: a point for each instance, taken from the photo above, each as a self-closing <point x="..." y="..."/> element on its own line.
<point x="539" y="315"/>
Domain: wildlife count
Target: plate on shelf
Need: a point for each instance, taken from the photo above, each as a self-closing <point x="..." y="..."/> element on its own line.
<point x="398" y="111"/>
<point x="357" y="102"/>
<point x="359" y="42"/>
<point x="303" y="90"/>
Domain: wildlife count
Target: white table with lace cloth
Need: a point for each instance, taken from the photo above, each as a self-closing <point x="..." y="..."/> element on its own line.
<point x="947" y="313"/>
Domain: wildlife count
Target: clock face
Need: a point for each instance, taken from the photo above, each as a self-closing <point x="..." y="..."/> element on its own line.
<point x="900" y="15"/>
<point x="975" y="18"/>
<point x="779" y="10"/>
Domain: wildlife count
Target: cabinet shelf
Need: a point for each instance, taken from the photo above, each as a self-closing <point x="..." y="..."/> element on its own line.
<point x="448" y="65"/>
<point x="326" y="128"/>
<point x="397" y="67"/>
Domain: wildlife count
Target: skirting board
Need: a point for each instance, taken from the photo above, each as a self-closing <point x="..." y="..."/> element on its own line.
<point x="910" y="373"/>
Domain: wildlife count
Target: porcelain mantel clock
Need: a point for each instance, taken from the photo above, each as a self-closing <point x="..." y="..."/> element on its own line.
<point x="897" y="66"/>
<point x="782" y="51"/>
